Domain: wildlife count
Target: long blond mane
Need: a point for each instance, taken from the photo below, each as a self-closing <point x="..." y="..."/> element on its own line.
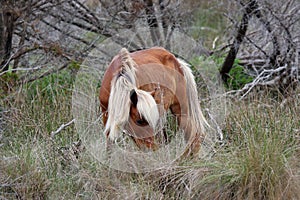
<point x="119" y="100"/>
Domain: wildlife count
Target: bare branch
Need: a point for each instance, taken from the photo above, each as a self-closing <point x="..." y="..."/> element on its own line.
<point x="63" y="126"/>
<point x="21" y="69"/>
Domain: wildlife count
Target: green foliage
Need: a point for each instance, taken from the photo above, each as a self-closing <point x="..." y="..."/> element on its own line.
<point x="74" y="65"/>
<point x="209" y="23"/>
<point x="7" y="82"/>
<point x="52" y="86"/>
<point x="238" y="77"/>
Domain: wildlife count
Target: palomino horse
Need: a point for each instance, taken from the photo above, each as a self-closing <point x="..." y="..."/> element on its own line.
<point x="139" y="87"/>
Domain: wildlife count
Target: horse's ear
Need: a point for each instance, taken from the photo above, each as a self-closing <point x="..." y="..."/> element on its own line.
<point x="133" y="97"/>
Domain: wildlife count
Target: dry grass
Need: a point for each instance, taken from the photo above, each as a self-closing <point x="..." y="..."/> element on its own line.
<point x="260" y="158"/>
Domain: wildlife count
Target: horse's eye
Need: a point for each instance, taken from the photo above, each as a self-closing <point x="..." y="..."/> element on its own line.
<point x="141" y="122"/>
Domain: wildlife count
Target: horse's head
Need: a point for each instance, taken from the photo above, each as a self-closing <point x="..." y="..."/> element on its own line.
<point x="143" y="116"/>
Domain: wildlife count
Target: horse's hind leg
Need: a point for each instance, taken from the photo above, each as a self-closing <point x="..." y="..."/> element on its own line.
<point x="192" y="138"/>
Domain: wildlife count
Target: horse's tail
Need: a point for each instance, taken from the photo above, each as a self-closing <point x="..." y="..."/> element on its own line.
<point x="195" y="114"/>
<point x="123" y="85"/>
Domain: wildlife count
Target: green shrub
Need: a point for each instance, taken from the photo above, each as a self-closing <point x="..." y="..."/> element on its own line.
<point x="238" y="78"/>
<point x="51" y="86"/>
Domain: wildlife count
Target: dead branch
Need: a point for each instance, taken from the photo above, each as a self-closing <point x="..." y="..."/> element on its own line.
<point x="267" y="78"/>
<point x="22" y="69"/>
<point x="63" y="126"/>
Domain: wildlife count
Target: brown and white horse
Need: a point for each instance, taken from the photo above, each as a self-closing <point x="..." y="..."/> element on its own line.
<point x="139" y="87"/>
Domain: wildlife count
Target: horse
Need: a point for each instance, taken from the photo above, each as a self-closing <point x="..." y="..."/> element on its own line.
<point x="138" y="88"/>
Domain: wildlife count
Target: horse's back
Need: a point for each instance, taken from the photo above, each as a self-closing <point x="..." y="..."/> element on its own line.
<point x="148" y="57"/>
<point x="155" y="55"/>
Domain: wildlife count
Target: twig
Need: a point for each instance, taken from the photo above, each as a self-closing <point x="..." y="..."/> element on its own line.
<point x="53" y="133"/>
<point x="218" y="128"/>
<point x="7" y="62"/>
<point x="21" y="69"/>
<point x="24" y="80"/>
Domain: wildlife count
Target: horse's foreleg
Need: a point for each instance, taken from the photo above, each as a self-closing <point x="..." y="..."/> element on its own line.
<point x="109" y="143"/>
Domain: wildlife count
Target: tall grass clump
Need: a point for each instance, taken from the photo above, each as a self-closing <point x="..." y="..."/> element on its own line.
<point x="260" y="159"/>
<point x="29" y="157"/>
<point x="263" y="152"/>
